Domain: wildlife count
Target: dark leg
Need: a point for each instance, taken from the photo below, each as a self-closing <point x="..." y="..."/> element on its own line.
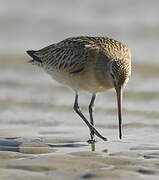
<point x="91" y="116"/>
<point x="77" y="110"/>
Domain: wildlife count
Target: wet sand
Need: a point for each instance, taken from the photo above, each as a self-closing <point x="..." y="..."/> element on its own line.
<point x="50" y="158"/>
<point x="42" y="138"/>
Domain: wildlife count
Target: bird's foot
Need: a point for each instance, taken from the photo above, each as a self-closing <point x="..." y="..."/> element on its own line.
<point x="98" y="134"/>
<point x="91" y="141"/>
<point x="92" y="137"/>
<point x="104" y="138"/>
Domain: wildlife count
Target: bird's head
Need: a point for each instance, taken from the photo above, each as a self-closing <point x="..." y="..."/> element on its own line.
<point x="119" y="72"/>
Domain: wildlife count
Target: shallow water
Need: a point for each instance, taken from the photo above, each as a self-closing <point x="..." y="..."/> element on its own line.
<point x="40" y="135"/>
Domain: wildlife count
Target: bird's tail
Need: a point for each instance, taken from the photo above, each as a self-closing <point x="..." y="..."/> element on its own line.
<point x="36" y="60"/>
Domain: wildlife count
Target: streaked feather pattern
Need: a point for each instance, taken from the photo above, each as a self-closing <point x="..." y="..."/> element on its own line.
<point x="91" y="64"/>
<point x="71" y="54"/>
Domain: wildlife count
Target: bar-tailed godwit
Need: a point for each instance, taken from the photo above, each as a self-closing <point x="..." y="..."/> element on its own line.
<point x="92" y="64"/>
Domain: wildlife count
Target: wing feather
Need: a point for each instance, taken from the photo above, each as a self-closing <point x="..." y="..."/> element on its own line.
<point x="70" y="54"/>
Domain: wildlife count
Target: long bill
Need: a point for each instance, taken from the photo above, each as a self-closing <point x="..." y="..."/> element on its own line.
<point x="119" y="94"/>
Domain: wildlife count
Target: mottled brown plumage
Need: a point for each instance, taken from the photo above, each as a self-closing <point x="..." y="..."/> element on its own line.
<point x="84" y="63"/>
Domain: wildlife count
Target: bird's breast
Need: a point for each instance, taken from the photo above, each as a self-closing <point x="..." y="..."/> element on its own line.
<point x="87" y="80"/>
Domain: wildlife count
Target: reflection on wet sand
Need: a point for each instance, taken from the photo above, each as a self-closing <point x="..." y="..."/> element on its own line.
<point x="28" y="146"/>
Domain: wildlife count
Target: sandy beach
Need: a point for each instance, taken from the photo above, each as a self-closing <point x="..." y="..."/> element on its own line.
<point x="50" y="158"/>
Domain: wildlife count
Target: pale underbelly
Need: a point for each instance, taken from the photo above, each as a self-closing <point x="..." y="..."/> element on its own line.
<point x="79" y="82"/>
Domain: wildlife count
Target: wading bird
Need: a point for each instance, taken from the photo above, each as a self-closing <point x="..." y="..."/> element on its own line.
<point x="92" y="64"/>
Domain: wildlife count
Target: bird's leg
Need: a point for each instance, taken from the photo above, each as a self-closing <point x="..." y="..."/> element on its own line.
<point x="77" y="110"/>
<point x="91" y="105"/>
